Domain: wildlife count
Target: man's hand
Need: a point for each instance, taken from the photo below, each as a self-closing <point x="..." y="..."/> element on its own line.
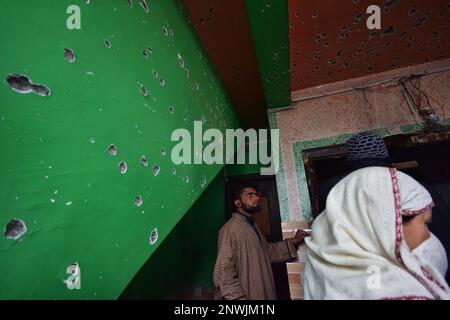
<point x="300" y="235"/>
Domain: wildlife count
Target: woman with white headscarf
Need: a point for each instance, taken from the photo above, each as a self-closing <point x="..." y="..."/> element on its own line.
<point x="361" y="249"/>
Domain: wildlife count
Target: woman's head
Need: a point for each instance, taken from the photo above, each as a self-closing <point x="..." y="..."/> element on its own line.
<point x="415" y="207"/>
<point x="415" y="228"/>
<point x="384" y="205"/>
<point x="362" y="227"/>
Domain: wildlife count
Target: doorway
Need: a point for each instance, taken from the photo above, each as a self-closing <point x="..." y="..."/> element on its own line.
<point x="268" y="220"/>
<point x="424" y="156"/>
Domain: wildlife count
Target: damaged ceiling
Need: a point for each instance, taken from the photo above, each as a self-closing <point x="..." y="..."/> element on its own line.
<point x="330" y="41"/>
<point x="247" y="42"/>
<point x="225" y="34"/>
<point x="265" y="51"/>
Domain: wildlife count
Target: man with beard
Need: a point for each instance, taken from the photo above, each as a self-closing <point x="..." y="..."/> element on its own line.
<point x="243" y="266"/>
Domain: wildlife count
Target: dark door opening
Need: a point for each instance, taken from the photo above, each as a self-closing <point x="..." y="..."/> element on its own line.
<point x="268" y="220"/>
<point x="425" y="157"/>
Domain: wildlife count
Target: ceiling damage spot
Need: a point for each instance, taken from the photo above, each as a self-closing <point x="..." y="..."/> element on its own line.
<point x="388" y="31"/>
<point x="223" y="26"/>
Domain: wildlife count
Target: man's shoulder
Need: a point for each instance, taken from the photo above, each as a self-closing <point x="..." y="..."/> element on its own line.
<point x="234" y="223"/>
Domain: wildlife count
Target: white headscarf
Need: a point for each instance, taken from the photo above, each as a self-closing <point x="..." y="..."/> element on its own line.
<point x="357" y="250"/>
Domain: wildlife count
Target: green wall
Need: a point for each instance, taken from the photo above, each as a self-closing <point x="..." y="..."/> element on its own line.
<point x="187" y="256"/>
<point x="269" y="23"/>
<point x="56" y="173"/>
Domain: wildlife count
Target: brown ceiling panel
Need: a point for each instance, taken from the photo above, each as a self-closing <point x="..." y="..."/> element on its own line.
<point x="329" y="39"/>
<point x="223" y="28"/>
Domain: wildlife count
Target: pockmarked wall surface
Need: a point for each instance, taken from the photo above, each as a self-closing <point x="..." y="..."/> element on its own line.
<point x="90" y="94"/>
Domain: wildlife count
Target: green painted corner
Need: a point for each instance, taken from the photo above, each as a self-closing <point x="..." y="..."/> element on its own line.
<point x="270" y="30"/>
<point x="186" y="258"/>
<point x="298" y="149"/>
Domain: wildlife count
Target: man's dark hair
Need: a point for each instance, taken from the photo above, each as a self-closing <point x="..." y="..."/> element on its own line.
<point x="237" y="190"/>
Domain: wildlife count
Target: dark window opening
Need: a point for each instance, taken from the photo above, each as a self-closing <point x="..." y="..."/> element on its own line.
<point x="425" y="157"/>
